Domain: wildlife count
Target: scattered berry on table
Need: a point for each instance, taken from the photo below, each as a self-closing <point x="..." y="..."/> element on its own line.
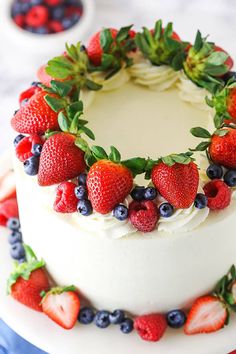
<point x="144" y="215"/>
<point x="37" y="149"/>
<point x="14" y="237"/>
<point x="86" y="315"/>
<point x="81" y="192"/>
<point x="84" y="207"/>
<point x="166" y="210"/>
<point x="17" y="139"/>
<point x="121" y="212"/>
<point x="127" y="326"/>
<point x="138" y="193"/>
<point x="176" y="318"/>
<point x="150" y="327"/>
<point x="31" y="165"/>
<point x="150" y="193"/>
<point x="214" y="171"/>
<point x="82" y="178"/>
<point x="17" y="251"/>
<point x="230" y="178"/>
<point x="66" y="201"/>
<point x="117" y="317"/>
<point x="218" y="194"/>
<point x="102" y="319"/>
<point x="13" y="224"/>
<point x="200" y="201"/>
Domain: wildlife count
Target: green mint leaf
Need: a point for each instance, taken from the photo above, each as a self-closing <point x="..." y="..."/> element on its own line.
<point x="200" y="132"/>
<point x="61" y="88"/>
<point x="106" y="39"/>
<point x="99" y="153"/>
<point x="91" y="85"/>
<point x="54" y="103"/>
<point x="63" y="122"/>
<point x="114" y="155"/>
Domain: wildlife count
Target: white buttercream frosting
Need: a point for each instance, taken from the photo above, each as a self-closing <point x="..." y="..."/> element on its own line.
<point x="114" y="82"/>
<point x="190" y="92"/>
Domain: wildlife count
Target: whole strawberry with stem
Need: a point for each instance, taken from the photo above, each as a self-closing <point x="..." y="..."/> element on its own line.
<point x="205" y="63"/>
<point x="177" y="179"/>
<point x="36" y="116"/>
<point x="221" y="145"/>
<point x="62" y="306"/>
<point x="28" y="280"/>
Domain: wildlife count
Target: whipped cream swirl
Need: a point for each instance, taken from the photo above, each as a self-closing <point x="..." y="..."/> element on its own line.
<point x="114" y="82"/>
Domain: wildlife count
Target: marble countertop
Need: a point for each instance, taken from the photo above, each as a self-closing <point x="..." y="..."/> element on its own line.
<point x="212" y="17"/>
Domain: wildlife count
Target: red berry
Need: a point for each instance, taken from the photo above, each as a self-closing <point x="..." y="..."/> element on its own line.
<point x="28" y="93"/>
<point x="8" y="209"/>
<point x="218" y="194"/>
<point x="37" y="16"/>
<point x="223" y="149"/>
<point x="94" y="48"/>
<point x="143" y="215"/>
<point x="55" y="27"/>
<point x="24" y="147"/>
<point x="66" y="201"/>
<point x="19" y="20"/>
<point x="71" y="10"/>
<point x="151" y="327"/>
<point x="53" y="2"/>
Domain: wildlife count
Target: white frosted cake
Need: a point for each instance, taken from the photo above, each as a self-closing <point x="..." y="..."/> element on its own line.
<point x="154" y="95"/>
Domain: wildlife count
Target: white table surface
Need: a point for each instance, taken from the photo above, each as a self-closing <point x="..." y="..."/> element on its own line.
<point x="212" y="17"/>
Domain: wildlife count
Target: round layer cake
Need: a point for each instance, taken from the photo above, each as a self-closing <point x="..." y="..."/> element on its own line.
<point x="145" y="108"/>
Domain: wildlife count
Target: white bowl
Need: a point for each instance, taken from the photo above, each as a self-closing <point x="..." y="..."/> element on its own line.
<point x="49" y="44"/>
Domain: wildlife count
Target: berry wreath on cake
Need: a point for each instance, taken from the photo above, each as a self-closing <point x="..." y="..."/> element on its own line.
<point x="144" y="237"/>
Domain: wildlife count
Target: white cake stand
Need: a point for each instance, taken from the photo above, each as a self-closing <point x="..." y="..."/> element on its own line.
<point x="40" y="331"/>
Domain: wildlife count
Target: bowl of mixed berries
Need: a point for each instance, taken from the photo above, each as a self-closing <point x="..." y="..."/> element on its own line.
<point x="33" y="23"/>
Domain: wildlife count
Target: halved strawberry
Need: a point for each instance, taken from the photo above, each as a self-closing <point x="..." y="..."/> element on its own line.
<point x="24" y="147"/>
<point x="208" y="314"/>
<point x="28" y="280"/>
<point x="62" y="306"/>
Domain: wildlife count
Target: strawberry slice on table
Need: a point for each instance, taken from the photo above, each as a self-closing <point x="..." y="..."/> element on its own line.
<point x="60" y="160"/>
<point x="36" y="116"/>
<point x="176" y="181"/>
<point x="62" y="306"/>
<point x="8" y="209"/>
<point x="208" y="314"/>
<point x="28" y="280"/>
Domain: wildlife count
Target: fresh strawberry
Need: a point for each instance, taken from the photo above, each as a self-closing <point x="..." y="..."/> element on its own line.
<point x="177" y="183"/>
<point x="24" y="147"/>
<point x="37" y="16"/>
<point x="208" y="314"/>
<point x="7" y="186"/>
<point x="229" y="61"/>
<point x="28" y="280"/>
<point x="94" y="48"/>
<point x="8" y="209"/>
<point x="231" y="103"/>
<point x="144" y="215"/>
<point x="224" y="103"/>
<point x="36" y="117"/>
<point x="222" y="149"/>
<point x="66" y="201"/>
<point x="60" y="160"/>
<point x="62" y="306"/>
<point x="27" y="94"/>
<point x="151" y="327"/>
<point x="108" y="184"/>
<point x="218" y="194"/>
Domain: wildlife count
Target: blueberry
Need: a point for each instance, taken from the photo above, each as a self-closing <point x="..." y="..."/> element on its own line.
<point x="17" y="251"/>
<point x="214" y="171"/>
<point x="25" y="6"/>
<point x="166" y="210"/>
<point x="37" y="149"/>
<point x="138" y="193"/>
<point x="117" y="317"/>
<point x="150" y="193"/>
<point x="58" y="13"/>
<point x="121" y="212"/>
<point x="176" y="318"/>
<point x="41" y="30"/>
<point x="200" y="201"/>
<point x="84" y="207"/>
<point x="67" y="23"/>
<point x="14" y="237"/>
<point x="127" y="326"/>
<point x="230" y="178"/>
<point x="17" y="139"/>
<point x="81" y="192"/>
<point x="31" y="165"/>
<point x="86" y="315"/>
<point x="13" y="224"/>
<point x="17" y="9"/>
<point x="73" y="2"/>
<point x="101" y="319"/>
<point x="36" y="2"/>
<point x="230" y="75"/>
<point x="82" y="179"/>
<point x="35" y="83"/>
<point x="74" y="18"/>
<point x="30" y="29"/>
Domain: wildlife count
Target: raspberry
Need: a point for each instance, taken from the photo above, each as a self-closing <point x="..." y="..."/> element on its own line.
<point x="24" y="147"/>
<point x="19" y="20"/>
<point x="37" y="16"/>
<point x="55" y="26"/>
<point x="66" y="201"/>
<point x="151" y="327"/>
<point x="8" y="209"/>
<point x="28" y="93"/>
<point x="143" y="215"/>
<point x="53" y="2"/>
<point x="218" y="194"/>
